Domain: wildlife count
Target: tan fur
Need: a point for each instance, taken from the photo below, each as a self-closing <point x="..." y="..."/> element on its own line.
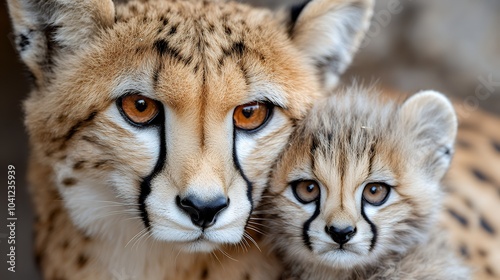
<point x="471" y="190"/>
<point x="347" y="141"/>
<point x="472" y="203"/>
<point x="106" y="192"/>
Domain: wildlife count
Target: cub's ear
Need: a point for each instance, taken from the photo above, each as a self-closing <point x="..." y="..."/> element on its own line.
<point x="45" y="30"/>
<point x="430" y="123"/>
<point x="330" y="32"/>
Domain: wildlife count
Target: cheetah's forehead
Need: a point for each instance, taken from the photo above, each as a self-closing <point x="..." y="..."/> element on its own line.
<point x="194" y="32"/>
<point x="190" y="52"/>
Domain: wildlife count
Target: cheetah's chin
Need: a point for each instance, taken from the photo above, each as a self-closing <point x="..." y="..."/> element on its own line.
<point x="341" y="258"/>
<point x="199" y="241"/>
<point x="201" y="245"/>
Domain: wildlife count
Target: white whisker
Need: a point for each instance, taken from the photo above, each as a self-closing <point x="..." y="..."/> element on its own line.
<point x="252" y="240"/>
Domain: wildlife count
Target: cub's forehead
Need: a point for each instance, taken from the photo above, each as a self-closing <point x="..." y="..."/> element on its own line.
<point x="344" y="129"/>
<point x="351" y="115"/>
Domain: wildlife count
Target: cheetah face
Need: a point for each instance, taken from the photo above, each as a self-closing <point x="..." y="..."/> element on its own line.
<point x="162" y="119"/>
<point x="189" y="122"/>
<point x="360" y="180"/>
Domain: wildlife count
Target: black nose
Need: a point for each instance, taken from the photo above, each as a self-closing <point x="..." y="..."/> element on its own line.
<point x="203" y="213"/>
<point x="341" y="236"/>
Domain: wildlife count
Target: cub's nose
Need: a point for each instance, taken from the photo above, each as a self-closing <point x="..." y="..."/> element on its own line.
<point x="203" y="213"/>
<point x="341" y="236"/>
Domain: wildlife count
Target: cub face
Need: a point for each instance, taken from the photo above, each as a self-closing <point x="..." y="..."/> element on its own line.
<point x="165" y="117"/>
<point x="360" y="178"/>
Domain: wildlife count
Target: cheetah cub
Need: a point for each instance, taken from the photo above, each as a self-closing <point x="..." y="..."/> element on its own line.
<point x="357" y="192"/>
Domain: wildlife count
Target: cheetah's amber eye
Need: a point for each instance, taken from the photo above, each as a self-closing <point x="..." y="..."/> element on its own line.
<point x="306" y="191"/>
<point x="376" y="193"/>
<point x="251" y="116"/>
<point x="139" y="109"/>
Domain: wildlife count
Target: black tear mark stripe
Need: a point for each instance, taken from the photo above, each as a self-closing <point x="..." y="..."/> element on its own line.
<point x="372" y="226"/>
<point x="249" y="184"/>
<point x="145" y="187"/>
<point x="307" y="225"/>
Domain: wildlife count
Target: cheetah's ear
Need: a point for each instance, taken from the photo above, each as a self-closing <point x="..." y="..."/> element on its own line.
<point x="430" y="121"/>
<point x="330" y="32"/>
<point x="45" y="30"/>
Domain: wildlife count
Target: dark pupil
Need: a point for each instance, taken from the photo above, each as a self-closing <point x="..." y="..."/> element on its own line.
<point x="373" y="190"/>
<point x="141" y="105"/>
<point x="310" y="188"/>
<point x="248" y="111"/>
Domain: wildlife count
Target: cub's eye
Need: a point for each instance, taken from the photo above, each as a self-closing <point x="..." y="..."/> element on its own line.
<point x="139" y="109"/>
<point x="376" y="193"/>
<point x="251" y="116"/>
<point x="306" y="191"/>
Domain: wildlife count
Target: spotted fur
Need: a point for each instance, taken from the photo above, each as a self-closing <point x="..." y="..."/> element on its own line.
<point x="107" y="191"/>
<point x="473" y="193"/>
<point x="347" y="141"/>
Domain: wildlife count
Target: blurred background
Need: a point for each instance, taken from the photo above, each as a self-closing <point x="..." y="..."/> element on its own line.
<point x="452" y="46"/>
